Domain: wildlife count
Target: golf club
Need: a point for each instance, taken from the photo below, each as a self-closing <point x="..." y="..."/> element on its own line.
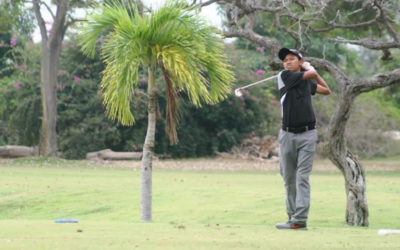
<point x="238" y="91"/>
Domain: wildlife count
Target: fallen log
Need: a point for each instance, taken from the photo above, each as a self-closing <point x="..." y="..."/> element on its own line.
<point x="255" y="148"/>
<point x="13" y="151"/>
<point x="108" y="154"/>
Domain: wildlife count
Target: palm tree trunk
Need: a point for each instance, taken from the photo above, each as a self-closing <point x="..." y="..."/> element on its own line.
<point x="148" y="150"/>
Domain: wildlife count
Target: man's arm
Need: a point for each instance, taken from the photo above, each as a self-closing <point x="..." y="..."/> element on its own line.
<point x="322" y="86"/>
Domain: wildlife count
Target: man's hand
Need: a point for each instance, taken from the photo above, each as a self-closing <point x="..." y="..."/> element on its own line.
<point x="311" y="73"/>
<point x="307" y="66"/>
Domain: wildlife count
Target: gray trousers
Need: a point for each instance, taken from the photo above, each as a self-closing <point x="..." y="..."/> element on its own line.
<point x="296" y="155"/>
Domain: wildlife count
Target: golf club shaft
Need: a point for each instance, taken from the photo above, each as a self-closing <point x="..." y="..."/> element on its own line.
<point x="255" y="83"/>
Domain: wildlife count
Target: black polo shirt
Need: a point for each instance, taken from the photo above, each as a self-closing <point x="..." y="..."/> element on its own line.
<point x="295" y="98"/>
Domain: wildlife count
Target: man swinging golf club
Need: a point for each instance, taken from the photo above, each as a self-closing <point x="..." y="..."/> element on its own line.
<point x="298" y="136"/>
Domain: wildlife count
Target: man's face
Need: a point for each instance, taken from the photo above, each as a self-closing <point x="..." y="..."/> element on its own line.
<point x="292" y="62"/>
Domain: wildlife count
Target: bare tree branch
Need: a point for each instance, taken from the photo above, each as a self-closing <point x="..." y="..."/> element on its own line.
<point x="369" y="43"/>
<point x="255" y="5"/>
<point x="390" y="29"/>
<point x="377" y="81"/>
<point x="250" y="35"/>
<point x="49" y="10"/>
<point x="340" y="77"/>
<point x="206" y="3"/>
<point x="296" y="36"/>
<point x="41" y="22"/>
<point x="332" y="24"/>
<point x="72" y="21"/>
<point x="59" y="27"/>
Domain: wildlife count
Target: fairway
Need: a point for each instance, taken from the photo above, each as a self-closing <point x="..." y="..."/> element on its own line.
<point x="192" y="209"/>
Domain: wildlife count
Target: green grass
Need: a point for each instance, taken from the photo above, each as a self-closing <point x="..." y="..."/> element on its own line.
<point x="210" y="209"/>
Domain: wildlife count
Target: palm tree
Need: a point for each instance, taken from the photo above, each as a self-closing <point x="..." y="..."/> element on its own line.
<point x="176" y="40"/>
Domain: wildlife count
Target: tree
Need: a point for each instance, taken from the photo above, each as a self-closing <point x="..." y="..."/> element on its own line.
<point x="51" y="47"/>
<point x="295" y="24"/>
<point x="174" y="40"/>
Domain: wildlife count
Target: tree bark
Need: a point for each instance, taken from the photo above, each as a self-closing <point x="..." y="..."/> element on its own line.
<point x="48" y="134"/>
<point x="355" y="183"/>
<point x="148" y="150"/>
<point x="352" y="170"/>
<point x="51" y="48"/>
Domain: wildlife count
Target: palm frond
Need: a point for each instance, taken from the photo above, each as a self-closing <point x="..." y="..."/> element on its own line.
<point x="102" y="20"/>
<point x="172" y="109"/>
<point x="123" y="58"/>
<point x="189" y="51"/>
<point x="185" y="71"/>
<point x="122" y="51"/>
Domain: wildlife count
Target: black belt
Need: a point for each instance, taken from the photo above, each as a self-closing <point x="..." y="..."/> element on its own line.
<point x="298" y="129"/>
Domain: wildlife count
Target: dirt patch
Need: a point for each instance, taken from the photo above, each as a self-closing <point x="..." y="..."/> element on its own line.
<point x="204" y="164"/>
<point x="200" y="164"/>
<point x="241" y="164"/>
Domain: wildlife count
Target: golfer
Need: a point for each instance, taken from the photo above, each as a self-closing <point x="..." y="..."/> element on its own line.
<point x="298" y="136"/>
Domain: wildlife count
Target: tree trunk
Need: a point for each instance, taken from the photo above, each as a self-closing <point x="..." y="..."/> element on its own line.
<point x="48" y="133"/>
<point x="148" y="150"/>
<point x="351" y="168"/>
<point x="51" y="48"/>
<point x="355" y="183"/>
